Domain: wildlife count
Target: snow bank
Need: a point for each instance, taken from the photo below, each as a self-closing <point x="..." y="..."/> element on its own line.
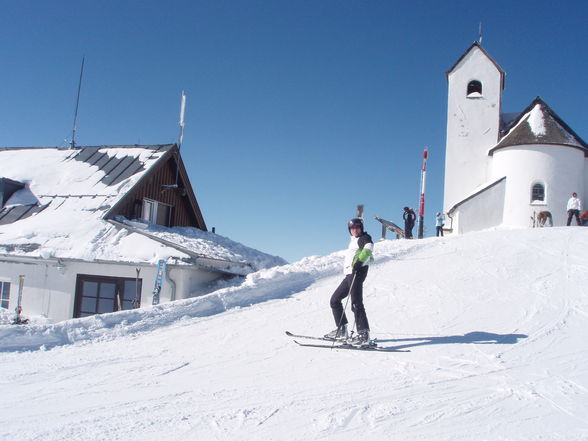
<point x="267" y="284"/>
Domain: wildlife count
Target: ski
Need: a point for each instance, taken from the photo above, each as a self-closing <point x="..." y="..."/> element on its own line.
<point x="161" y="268"/>
<point x="308" y="337"/>
<point x="351" y="347"/>
<point x="338" y="344"/>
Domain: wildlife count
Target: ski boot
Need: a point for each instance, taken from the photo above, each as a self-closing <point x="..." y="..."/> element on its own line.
<point x="339" y="334"/>
<point x="362" y="339"/>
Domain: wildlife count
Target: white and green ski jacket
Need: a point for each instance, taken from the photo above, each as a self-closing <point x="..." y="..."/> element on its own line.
<point x="360" y="249"/>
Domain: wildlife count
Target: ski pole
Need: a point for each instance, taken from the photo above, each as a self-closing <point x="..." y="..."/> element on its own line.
<point x="136" y="301"/>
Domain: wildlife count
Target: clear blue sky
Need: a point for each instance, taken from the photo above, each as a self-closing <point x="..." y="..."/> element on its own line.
<point x="297" y="110"/>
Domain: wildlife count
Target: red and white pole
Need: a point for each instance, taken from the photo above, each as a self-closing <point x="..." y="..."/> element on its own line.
<point x="422" y="204"/>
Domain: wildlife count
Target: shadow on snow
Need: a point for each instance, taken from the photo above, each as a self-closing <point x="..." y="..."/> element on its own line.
<point x="477" y="337"/>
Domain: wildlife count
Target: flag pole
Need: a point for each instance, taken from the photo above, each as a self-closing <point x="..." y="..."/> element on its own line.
<point x="422" y="203"/>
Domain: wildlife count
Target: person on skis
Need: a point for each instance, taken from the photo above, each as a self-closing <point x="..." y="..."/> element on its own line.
<point x="355" y="268"/>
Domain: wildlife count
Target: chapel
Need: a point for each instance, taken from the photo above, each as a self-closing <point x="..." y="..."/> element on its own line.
<point x="502" y="169"/>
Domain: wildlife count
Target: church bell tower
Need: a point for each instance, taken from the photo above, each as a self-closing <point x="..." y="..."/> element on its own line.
<point x="473" y="123"/>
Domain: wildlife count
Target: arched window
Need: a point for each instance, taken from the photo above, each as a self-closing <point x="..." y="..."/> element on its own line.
<point x="538" y="193"/>
<point x="474" y="89"/>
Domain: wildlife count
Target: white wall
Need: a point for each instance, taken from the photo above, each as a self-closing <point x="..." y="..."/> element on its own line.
<point x="560" y="169"/>
<point x="49" y="287"/>
<point x="486" y="210"/>
<point x="191" y="282"/>
<point x="46" y="291"/>
<point x="584" y="195"/>
<point x="472" y="126"/>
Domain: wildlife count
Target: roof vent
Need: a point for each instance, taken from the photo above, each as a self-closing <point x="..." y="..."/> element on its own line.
<point x="7" y="189"/>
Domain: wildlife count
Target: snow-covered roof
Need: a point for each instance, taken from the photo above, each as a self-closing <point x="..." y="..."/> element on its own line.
<point x="538" y="124"/>
<point x="62" y="211"/>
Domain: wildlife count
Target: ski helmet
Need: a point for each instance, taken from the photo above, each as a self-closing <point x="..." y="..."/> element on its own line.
<point x="355" y="222"/>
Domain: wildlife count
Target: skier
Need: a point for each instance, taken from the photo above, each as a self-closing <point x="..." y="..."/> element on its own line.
<point x="357" y="258"/>
<point x="574" y="207"/>
<point x="409" y="220"/>
<point x="439" y="223"/>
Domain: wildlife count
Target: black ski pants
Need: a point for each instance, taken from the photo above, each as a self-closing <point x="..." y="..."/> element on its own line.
<point x="408" y="226"/>
<point x="571" y="214"/>
<point x="356" y="292"/>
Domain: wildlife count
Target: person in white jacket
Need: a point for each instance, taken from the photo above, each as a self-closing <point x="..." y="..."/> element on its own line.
<point x="355" y="267"/>
<point x="439" y="223"/>
<point x="574" y="207"/>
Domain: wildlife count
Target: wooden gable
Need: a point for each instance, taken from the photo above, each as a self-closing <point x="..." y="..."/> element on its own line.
<point x="166" y="183"/>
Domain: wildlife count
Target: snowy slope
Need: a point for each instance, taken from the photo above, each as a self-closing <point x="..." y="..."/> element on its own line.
<point x="496" y="323"/>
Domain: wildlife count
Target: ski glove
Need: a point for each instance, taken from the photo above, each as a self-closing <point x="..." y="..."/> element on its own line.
<point x="361" y="257"/>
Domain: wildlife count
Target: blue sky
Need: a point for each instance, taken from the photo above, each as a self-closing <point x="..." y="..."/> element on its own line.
<point x="297" y="110"/>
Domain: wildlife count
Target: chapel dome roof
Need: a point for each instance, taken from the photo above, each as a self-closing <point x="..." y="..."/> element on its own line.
<point x="539" y="124"/>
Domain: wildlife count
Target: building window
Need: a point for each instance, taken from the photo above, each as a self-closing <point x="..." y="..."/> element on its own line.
<point x="100" y="295"/>
<point x="4" y="294"/>
<point x="148" y="207"/>
<point x="157" y="212"/>
<point x="474" y="89"/>
<point x="537" y="193"/>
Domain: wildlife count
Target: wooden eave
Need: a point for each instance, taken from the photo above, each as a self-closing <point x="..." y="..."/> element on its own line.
<point x="189" y="190"/>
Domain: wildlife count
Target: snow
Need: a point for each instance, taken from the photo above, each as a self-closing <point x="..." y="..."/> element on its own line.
<point x="72" y="226"/>
<point x="495" y="322"/>
<point x="41" y="167"/>
<point x="206" y="244"/>
<point x="75" y="199"/>
<point x="536" y="121"/>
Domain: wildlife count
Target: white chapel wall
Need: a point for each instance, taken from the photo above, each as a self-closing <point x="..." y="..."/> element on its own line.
<point x="560" y="169"/>
<point x="584" y="195"/>
<point x="486" y="210"/>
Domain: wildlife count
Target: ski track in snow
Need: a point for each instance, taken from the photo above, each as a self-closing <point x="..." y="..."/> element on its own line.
<point x="496" y="323"/>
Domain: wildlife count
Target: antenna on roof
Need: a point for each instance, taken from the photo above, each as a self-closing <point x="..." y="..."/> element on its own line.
<point x="181" y="123"/>
<point x="73" y="135"/>
<point x="180" y="139"/>
<point x="480" y="34"/>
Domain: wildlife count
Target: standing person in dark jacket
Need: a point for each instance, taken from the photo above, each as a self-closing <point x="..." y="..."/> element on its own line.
<point x="409" y="221"/>
<point x="358" y="256"/>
